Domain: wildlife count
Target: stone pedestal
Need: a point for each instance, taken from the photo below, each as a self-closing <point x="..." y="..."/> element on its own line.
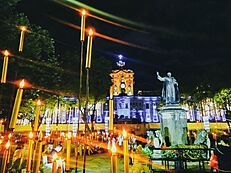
<point x="173" y="123"/>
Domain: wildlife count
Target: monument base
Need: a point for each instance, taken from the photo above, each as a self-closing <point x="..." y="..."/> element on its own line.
<point x="173" y="123"/>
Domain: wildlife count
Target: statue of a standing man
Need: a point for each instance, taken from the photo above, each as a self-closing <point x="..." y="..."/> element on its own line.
<point x="170" y="91"/>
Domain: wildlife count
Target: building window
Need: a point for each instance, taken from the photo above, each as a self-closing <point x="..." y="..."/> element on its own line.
<point x="147" y="105"/>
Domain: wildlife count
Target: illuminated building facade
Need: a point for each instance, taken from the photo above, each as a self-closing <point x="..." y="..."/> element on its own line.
<point x="128" y="107"/>
<point x="134" y="109"/>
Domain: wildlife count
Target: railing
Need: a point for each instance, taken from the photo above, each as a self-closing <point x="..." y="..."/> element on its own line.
<point x="181" y="157"/>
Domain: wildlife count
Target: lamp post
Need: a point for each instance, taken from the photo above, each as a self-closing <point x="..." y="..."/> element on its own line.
<point x="36" y="122"/>
<point x="54" y="165"/>
<point x="29" y="154"/>
<point x="5" y="156"/>
<point x="37" y="113"/>
<point x="38" y="153"/>
<point x="59" y="163"/>
<point x="83" y="21"/>
<point x="111" y="110"/>
<point x="68" y="152"/>
<point x="5" y="66"/>
<point x="114" y="163"/>
<point x="23" y="30"/>
<point x="17" y="103"/>
<point x="1" y="129"/>
<point x="125" y="146"/>
<point x="82" y="38"/>
<point x="87" y="67"/>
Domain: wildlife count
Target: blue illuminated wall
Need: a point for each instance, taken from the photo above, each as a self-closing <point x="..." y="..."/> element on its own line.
<point x="142" y="108"/>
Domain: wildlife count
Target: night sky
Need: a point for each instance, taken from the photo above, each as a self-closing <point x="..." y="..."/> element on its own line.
<point x="189" y="38"/>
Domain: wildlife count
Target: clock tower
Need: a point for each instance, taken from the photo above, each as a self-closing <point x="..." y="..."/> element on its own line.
<point x="122" y="80"/>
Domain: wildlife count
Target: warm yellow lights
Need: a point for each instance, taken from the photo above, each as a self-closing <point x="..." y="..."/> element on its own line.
<point x="37" y="114"/>
<point x="21" y="42"/>
<point x="54" y="157"/>
<point x="89" y="48"/>
<point x="90" y="32"/>
<point x="83" y="12"/>
<point x="40" y="136"/>
<point x="38" y="102"/>
<point x="111" y="92"/>
<point x="30" y="135"/>
<point x="68" y="152"/>
<point x="111" y="110"/>
<point x="0" y="141"/>
<point x="6" y="53"/>
<point x="30" y="152"/>
<point x="16" y="107"/>
<point x="22" y="83"/>
<point x="126" y="155"/>
<point x="7" y="144"/>
<point x="114" y="163"/>
<point x="9" y="136"/>
<point x="83" y="23"/>
<point x="69" y="135"/>
<point x="125" y="133"/>
<point x="23" y="28"/>
<point x="5" y="66"/>
<point x="113" y="148"/>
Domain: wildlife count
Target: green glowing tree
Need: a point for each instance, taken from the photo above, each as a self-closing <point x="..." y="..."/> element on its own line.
<point x="223" y="99"/>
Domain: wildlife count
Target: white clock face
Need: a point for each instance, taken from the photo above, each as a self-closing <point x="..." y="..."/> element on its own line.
<point x="122" y="85"/>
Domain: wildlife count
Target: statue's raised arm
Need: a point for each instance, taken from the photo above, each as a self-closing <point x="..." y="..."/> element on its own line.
<point x="159" y="77"/>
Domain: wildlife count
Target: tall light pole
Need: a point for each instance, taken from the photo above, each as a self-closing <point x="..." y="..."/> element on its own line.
<point x="125" y="146"/>
<point x="17" y="104"/>
<point x="5" y="156"/>
<point x="111" y="110"/>
<point x="21" y="42"/>
<point x="37" y="113"/>
<point x="5" y="66"/>
<point x="87" y="67"/>
<point x="54" y="163"/>
<point x="38" y="153"/>
<point x="68" y="154"/>
<point x="30" y="151"/>
<point x="114" y="162"/>
<point x="82" y="39"/>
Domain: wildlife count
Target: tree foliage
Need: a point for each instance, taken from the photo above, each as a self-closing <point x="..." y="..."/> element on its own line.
<point x="37" y="63"/>
<point x="51" y="76"/>
<point x="99" y="79"/>
<point x="223" y="98"/>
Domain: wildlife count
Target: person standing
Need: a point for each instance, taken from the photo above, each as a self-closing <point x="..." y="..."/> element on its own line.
<point x="223" y="154"/>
